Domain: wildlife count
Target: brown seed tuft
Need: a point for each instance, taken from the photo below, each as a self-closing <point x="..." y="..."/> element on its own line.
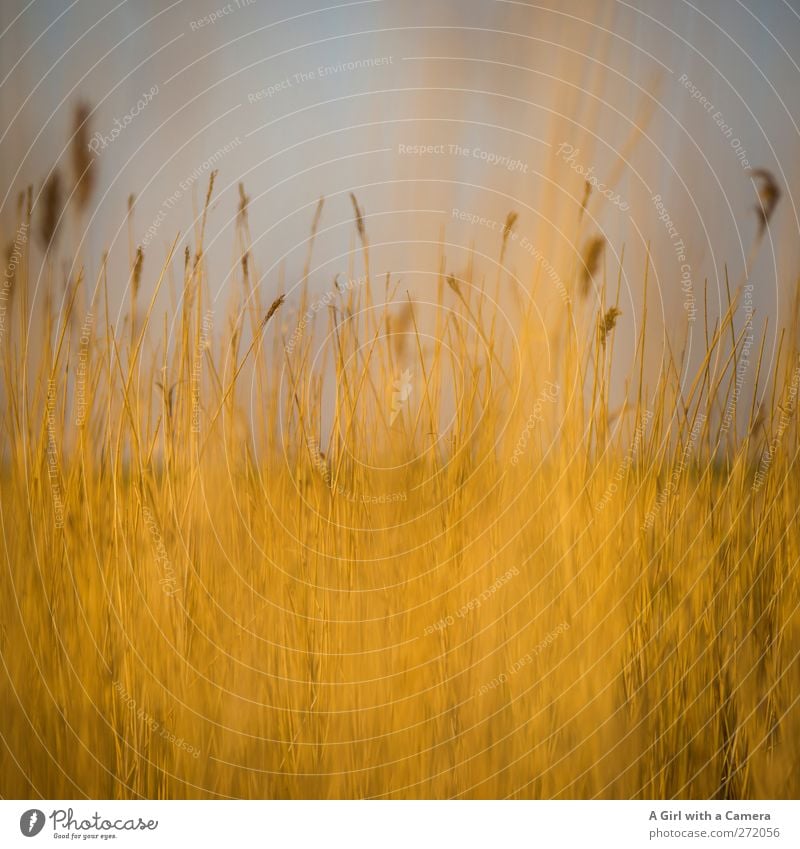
<point x="587" y="191"/>
<point x="52" y="205"/>
<point x="210" y="191"/>
<point x="362" y="233"/>
<point x="274" y="307"/>
<point x="511" y="220"/>
<point x="453" y="284"/>
<point x="83" y="162"/>
<point x="317" y="214"/>
<point x="607" y="323"/>
<point x="137" y="270"/>
<point x="768" y="196"/>
<point x="243" y="200"/>
<point x="591" y="260"/>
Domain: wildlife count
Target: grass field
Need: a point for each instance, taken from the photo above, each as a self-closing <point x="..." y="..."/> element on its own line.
<point x="358" y="544"/>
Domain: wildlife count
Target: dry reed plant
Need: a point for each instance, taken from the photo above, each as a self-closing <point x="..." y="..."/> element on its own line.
<point x="240" y="576"/>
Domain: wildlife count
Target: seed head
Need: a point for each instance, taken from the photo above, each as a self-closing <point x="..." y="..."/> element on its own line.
<point x="362" y="233"/>
<point x="52" y="205"/>
<point x="591" y="260"/>
<point x="274" y="307"/>
<point x="511" y="220"/>
<point x="83" y="162"/>
<point x="137" y="270"/>
<point x="587" y="191"/>
<point x="243" y="201"/>
<point x="768" y="196"/>
<point x="607" y="323"/>
<point x="317" y="216"/>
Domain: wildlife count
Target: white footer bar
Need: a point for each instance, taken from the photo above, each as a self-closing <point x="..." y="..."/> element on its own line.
<point x="385" y="825"/>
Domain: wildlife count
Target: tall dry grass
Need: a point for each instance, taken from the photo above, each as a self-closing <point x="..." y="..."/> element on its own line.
<point x="243" y="556"/>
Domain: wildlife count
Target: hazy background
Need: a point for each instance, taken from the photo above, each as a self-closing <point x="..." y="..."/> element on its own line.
<point x="514" y="79"/>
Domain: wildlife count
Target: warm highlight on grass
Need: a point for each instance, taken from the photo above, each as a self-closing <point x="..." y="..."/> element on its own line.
<point x="247" y="559"/>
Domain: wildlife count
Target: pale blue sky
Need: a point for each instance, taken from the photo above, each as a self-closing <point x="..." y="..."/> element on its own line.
<point x="477" y="73"/>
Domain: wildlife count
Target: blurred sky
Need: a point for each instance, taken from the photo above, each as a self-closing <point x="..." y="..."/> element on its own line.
<point x="512" y="79"/>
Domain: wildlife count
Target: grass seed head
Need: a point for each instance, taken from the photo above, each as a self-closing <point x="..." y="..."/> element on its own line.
<point x="453" y="284"/>
<point x="274" y="307"/>
<point x="317" y="215"/>
<point x="768" y="196"/>
<point x="591" y="261"/>
<point x="137" y="270"/>
<point x="511" y="220"/>
<point x="607" y="323"/>
<point x="83" y="162"/>
<point x="362" y="233"/>
<point x="52" y="206"/>
<point x="587" y="191"/>
<point x="244" y="200"/>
